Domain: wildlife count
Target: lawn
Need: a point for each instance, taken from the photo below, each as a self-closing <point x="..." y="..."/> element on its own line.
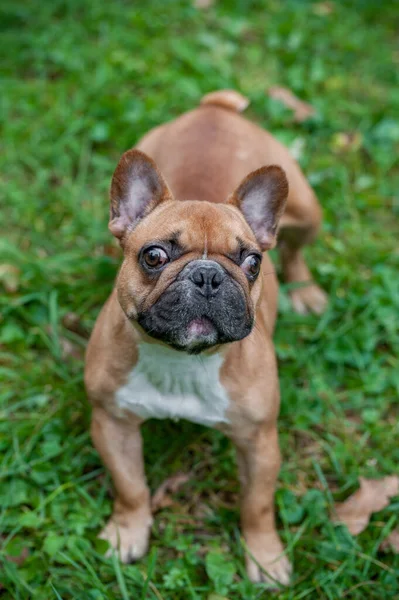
<point x="82" y="81"/>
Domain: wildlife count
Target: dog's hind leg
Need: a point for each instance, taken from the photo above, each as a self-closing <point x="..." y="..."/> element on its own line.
<point x="298" y="227"/>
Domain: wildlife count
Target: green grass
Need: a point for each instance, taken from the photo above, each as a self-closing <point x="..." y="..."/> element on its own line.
<point x="82" y="81"/>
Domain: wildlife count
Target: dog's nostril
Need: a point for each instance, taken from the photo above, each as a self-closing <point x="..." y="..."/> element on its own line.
<point x="198" y="278"/>
<point x="207" y="279"/>
<point x="216" y="280"/>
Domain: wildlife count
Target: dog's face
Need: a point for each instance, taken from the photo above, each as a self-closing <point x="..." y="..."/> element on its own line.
<point x="191" y="271"/>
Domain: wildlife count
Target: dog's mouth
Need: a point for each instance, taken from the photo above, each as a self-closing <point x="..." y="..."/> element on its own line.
<point x="187" y="319"/>
<point x="200" y="327"/>
<point x="201" y="333"/>
<point x="197" y="335"/>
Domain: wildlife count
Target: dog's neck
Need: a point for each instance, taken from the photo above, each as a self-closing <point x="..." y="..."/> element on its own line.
<point x="153" y="355"/>
<point x="167" y="383"/>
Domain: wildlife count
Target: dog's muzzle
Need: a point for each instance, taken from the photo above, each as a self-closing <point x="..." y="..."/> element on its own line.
<point x="203" y="307"/>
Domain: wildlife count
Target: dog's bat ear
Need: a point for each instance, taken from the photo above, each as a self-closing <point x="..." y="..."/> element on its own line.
<point x="262" y="197"/>
<point x="137" y="188"/>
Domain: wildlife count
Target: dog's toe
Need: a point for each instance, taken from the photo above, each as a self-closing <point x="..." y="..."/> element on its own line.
<point x="267" y="563"/>
<point x="130" y="541"/>
<point x="309" y="298"/>
<point x="277" y="573"/>
<point x="274" y="571"/>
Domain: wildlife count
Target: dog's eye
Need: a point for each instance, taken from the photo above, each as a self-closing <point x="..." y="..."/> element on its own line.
<point x="155" y="257"/>
<point x="251" y="265"/>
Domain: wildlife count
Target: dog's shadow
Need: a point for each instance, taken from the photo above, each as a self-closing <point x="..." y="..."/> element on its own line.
<point x="169" y="446"/>
<point x="205" y="454"/>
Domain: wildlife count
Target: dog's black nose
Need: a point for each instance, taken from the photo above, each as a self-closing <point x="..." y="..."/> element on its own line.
<point x="207" y="278"/>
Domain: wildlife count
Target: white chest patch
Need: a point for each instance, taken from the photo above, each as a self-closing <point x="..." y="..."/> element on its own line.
<point x="167" y="384"/>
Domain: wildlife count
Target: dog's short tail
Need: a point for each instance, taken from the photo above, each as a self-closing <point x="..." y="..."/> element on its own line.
<point x="229" y="99"/>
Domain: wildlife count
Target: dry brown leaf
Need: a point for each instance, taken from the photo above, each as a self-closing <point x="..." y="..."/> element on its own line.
<point x="372" y="496"/>
<point x="347" y="141"/>
<point x="17" y="560"/>
<point x="73" y="322"/>
<point x="9" y="277"/>
<point x="323" y="8"/>
<point x="112" y="250"/>
<point x="302" y="110"/>
<point x="391" y="542"/>
<point x="69" y="349"/>
<point x="20" y="559"/>
<point x="203" y="3"/>
<point x="161" y="497"/>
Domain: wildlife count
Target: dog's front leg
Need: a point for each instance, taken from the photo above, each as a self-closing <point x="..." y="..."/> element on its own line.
<point x="258" y="457"/>
<point x="120" y="446"/>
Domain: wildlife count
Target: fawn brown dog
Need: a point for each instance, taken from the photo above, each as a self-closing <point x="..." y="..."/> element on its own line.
<point x="195" y="208"/>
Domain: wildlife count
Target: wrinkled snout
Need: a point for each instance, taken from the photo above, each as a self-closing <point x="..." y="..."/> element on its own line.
<point x="206" y="275"/>
<point x="203" y="307"/>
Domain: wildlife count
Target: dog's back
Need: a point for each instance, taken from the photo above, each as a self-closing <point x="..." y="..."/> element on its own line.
<point x="206" y="152"/>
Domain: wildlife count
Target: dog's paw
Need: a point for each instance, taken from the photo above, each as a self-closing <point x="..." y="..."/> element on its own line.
<point x="309" y="298"/>
<point x="129" y="537"/>
<point x="267" y="563"/>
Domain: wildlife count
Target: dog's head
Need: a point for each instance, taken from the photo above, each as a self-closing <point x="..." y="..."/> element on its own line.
<point x="190" y="275"/>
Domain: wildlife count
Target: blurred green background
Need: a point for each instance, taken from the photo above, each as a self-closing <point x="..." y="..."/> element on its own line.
<point x="81" y="82"/>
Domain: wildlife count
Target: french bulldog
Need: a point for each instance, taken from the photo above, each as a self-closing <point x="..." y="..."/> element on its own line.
<point x="196" y="206"/>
